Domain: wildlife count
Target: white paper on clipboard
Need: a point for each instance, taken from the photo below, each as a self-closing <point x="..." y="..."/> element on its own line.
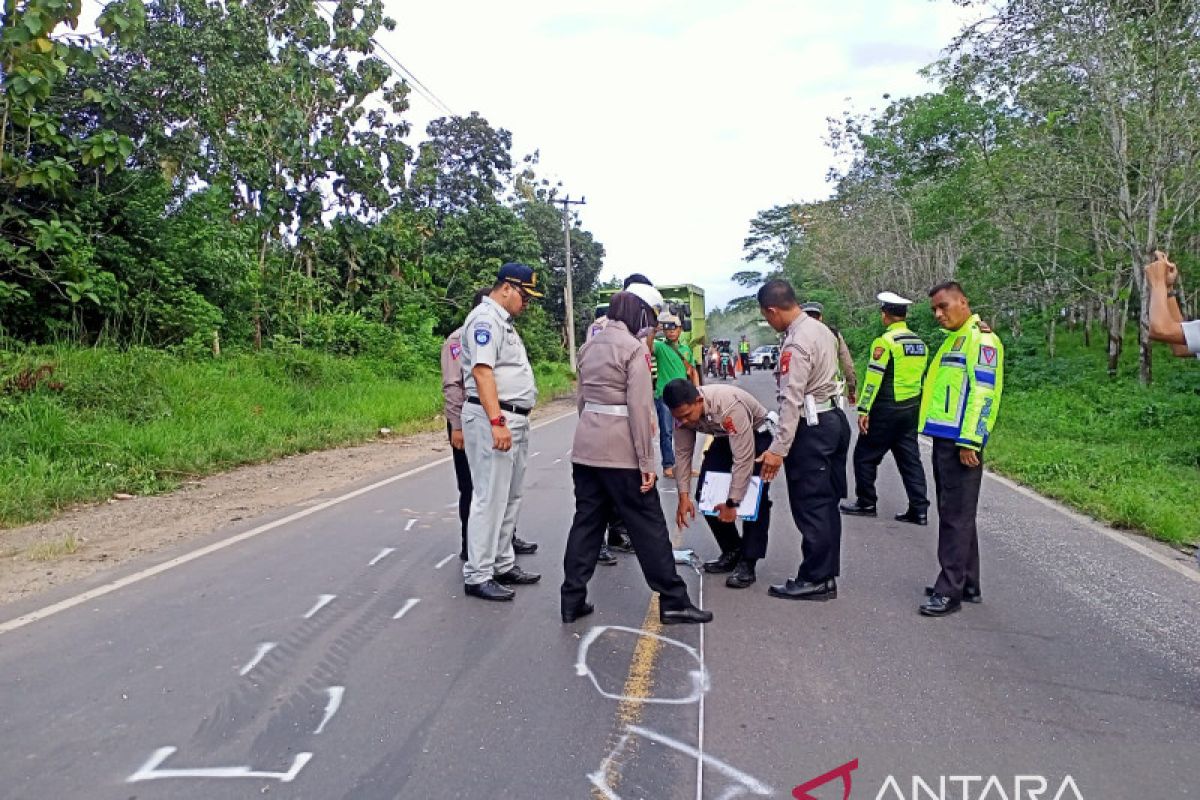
<point x="715" y="492"/>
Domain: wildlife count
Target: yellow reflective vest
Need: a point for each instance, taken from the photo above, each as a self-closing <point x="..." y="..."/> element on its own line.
<point x="962" y="390"/>
<point x="896" y="367"/>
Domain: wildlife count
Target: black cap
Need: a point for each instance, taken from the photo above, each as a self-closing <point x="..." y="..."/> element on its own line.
<point x="520" y="275"/>
<point x="636" y="277"/>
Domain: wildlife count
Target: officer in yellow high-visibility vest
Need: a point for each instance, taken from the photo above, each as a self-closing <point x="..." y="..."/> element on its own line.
<point x="959" y="404"/>
<point x="887" y="414"/>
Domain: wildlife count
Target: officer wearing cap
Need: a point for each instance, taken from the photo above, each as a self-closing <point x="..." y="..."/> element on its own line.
<point x="454" y="394"/>
<point x="500" y="392"/>
<point x="812" y="440"/>
<point x="845" y="361"/>
<point x="612" y="461"/>
<point x="888" y="411"/>
<point x="741" y="430"/>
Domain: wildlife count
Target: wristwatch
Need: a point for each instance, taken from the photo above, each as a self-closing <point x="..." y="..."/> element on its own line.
<point x="499" y="422"/>
<point x="731" y="503"/>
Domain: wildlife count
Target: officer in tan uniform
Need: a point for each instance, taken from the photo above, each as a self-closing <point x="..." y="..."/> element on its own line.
<point x="500" y="394"/>
<point x="811" y="441"/>
<point x="613" y="462"/>
<point x="845" y="360"/>
<point x="741" y="429"/>
<point x="454" y="393"/>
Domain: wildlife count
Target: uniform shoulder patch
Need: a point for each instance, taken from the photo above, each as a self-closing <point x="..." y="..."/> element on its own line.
<point x="987" y="354"/>
<point x="482" y="335"/>
<point x="729" y="425"/>
<point x="649" y="362"/>
<point x="455" y="350"/>
<point x="785" y="361"/>
<point x="877" y="353"/>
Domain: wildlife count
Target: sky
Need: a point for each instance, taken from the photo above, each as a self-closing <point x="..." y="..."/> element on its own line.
<point x="677" y="120"/>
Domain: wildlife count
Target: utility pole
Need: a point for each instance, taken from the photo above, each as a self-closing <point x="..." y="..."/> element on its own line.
<point x="569" y="288"/>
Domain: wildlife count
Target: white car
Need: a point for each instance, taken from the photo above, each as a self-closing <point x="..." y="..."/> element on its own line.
<point x="765" y="357"/>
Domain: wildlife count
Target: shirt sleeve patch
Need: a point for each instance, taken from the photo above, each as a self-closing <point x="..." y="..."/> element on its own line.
<point x="729" y="425"/>
<point x="455" y="351"/>
<point x="987" y="355"/>
<point x="785" y="362"/>
<point x="649" y="362"/>
<point x="877" y="353"/>
<point x="482" y="335"/>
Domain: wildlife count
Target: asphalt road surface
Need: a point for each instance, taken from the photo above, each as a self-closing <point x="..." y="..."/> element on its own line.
<point x="331" y="654"/>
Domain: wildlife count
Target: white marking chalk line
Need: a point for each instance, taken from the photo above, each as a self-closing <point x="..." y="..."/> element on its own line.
<point x="149" y="572"/>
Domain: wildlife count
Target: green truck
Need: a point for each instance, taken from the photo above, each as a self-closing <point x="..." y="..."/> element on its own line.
<point x="686" y="301"/>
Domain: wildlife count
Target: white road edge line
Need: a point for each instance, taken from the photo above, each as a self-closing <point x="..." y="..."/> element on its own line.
<point x="322" y="601"/>
<point x="442" y="563"/>
<point x="408" y="604"/>
<point x="335" y="702"/>
<point x="149" y="572"/>
<point x="1127" y="540"/>
<point x="263" y="649"/>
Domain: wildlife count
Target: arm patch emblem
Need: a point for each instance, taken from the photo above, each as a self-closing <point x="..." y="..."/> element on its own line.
<point x="455" y="351"/>
<point x="988" y="355"/>
<point x="877" y="353"/>
<point x="728" y="425"/>
<point x="482" y="335"/>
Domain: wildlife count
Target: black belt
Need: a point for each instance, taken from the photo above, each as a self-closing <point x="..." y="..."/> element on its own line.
<point x="509" y="407"/>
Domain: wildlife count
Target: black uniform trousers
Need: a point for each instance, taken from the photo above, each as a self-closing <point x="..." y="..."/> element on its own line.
<point x="957" y="489"/>
<point x="892" y="429"/>
<point x="753" y="540"/>
<point x="462" y="474"/>
<point x="816" y="478"/>
<point x="597" y="491"/>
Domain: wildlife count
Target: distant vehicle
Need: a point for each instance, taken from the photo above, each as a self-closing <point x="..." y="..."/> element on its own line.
<point x="764" y="357"/>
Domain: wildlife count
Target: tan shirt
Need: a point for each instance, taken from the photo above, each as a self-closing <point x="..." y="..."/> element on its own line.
<point x="846" y="361"/>
<point x="807" y="365"/>
<point x="489" y="338"/>
<point x="728" y="411"/>
<point x="614" y="370"/>
<point x="453" y="392"/>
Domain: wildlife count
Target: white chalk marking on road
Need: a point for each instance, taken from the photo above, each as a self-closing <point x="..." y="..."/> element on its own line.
<point x="442" y="563"/>
<point x="322" y="601"/>
<point x="700" y="715"/>
<point x="557" y="460"/>
<point x="411" y="522"/>
<point x="741" y="782"/>
<point x="1127" y="540"/>
<point x="331" y="707"/>
<point x="700" y="682"/>
<point x="263" y="649"/>
<point x="408" y="604"/>
<point x="149" y="572"/>
<point x="535" y="455"/>
<point x="150" y="770"/>
<point x="384" y="553"/>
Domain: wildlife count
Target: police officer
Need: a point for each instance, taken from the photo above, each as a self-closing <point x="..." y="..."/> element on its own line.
<point x="453" y="395"/>
<point x="845" y="361"/>
<point x="744" y="354"/>
<point x="887" y="414"/>
<point x="742" y="431"/>
<point x="613" y="465"/>
<point x="958" y="410"/>
<point x="500" y="394"/>
<point x="812" y="440"/>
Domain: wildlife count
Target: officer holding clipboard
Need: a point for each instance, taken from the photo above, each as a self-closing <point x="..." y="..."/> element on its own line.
<point x="743" y="431"/>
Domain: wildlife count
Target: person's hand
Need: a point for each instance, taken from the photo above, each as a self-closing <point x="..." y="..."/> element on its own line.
<point x="648" y="479"/>
<point x="501" y="438"/>
<point x="1161" y="272"/>
<point x="968" y="457"/>
<point x="864" y="422"/>
<point x="770" y="465"/>
<point x="685" y="512"/>
<point x="456" y="439"/>
<point x="726" y="514"/>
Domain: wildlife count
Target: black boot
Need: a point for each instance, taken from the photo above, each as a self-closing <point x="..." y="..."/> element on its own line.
<point x="743" y="576"/>
<point x="725" y="563"/>
<point x="606" y="558"/>
<point x="914" y="517"/>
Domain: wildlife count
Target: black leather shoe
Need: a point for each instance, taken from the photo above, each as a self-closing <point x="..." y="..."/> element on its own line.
<point x="681" y="616"/>
<point x="621" y="544"/>
<point x="856" y="510"/>
<point x="489" y="590"/>
<point x="606" y="558"/>
<point x="522" y="547"/>
<point x="805" y="590"/>
<point x="914" y="517"/>
<point x="971" y="594"/>
<point x="725" y="563"/>
<point x="517" y="577"/>
<point x="742" y="577"/>
<point x="581" y="610"/>
<point x="938" y="605"/>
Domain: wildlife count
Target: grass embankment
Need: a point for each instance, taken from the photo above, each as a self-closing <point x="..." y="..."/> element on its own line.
<point x="1118" y="451"/>
<point x="142" y="421"/>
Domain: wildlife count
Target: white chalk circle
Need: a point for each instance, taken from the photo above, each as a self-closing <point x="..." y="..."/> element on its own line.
<point x="699" y="675"/>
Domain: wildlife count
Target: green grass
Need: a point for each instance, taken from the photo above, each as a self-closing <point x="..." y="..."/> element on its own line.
<point x="1120" y="452"/>
<point x="143" y="421"/>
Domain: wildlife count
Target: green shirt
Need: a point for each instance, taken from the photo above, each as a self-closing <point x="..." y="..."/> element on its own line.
<point x="670" y="365"/>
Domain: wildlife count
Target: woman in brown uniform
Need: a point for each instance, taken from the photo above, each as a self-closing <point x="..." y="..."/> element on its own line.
<point x="612" y="463"/>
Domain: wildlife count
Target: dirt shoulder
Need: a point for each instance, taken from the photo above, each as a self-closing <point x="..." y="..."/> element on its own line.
<point x="32" y="557"/>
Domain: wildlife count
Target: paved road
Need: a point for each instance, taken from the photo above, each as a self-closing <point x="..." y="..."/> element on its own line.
<point x="334" y="656"/>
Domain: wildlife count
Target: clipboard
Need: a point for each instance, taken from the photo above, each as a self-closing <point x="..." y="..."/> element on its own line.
<point x="715" y="491"/>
